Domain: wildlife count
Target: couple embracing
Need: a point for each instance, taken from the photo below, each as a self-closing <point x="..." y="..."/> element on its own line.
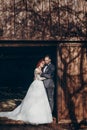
<point x="37" y="105"/>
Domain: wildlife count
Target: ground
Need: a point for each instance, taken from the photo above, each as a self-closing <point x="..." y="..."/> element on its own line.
<point x="5" y="123"/>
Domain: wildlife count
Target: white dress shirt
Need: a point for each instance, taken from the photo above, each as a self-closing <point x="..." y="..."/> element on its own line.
<point x="45" y="67"/>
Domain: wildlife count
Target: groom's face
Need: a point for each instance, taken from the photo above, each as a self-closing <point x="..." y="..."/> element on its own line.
<point x="47" y="60"/>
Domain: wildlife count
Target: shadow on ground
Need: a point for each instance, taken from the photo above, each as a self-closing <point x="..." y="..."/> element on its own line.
<point x="9" y="105"/>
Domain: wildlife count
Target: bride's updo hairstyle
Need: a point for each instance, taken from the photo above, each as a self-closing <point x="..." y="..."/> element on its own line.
<point x="39" y="62"/>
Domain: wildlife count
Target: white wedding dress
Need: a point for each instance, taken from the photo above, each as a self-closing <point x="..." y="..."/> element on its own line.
<point x="34" y="108"/>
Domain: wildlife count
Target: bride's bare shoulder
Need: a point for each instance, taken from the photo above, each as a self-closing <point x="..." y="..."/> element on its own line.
<point x="37" y="70"/>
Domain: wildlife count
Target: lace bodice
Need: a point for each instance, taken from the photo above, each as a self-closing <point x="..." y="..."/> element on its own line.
<point x="37" y="73"/>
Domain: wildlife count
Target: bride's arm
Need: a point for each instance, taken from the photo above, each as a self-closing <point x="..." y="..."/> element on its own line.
<point x="40" y="78"/>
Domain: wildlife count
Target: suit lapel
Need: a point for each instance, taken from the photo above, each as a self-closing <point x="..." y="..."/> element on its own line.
<point x="47" y="68"/>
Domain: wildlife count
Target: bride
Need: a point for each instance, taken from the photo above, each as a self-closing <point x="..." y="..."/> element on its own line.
<point x="34" y="108"/>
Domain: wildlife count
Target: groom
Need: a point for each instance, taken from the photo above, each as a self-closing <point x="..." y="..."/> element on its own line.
<point x="48" y="73"/>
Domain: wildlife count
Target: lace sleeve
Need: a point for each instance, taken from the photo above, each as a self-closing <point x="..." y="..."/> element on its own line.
<point x="37" y="75"/>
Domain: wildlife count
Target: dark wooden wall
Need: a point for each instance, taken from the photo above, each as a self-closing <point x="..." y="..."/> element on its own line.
<point x="47" y="19"/>
<point x="72" y="82"/>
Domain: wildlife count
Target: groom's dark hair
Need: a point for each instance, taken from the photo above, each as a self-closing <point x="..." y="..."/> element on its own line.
<point x="48" y="56"/>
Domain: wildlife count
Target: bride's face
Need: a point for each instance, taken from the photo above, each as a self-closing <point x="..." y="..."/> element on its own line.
<point x="42" y="64"/>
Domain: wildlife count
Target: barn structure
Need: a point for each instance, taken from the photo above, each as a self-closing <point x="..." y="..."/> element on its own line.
<point x="30" y="29"/>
